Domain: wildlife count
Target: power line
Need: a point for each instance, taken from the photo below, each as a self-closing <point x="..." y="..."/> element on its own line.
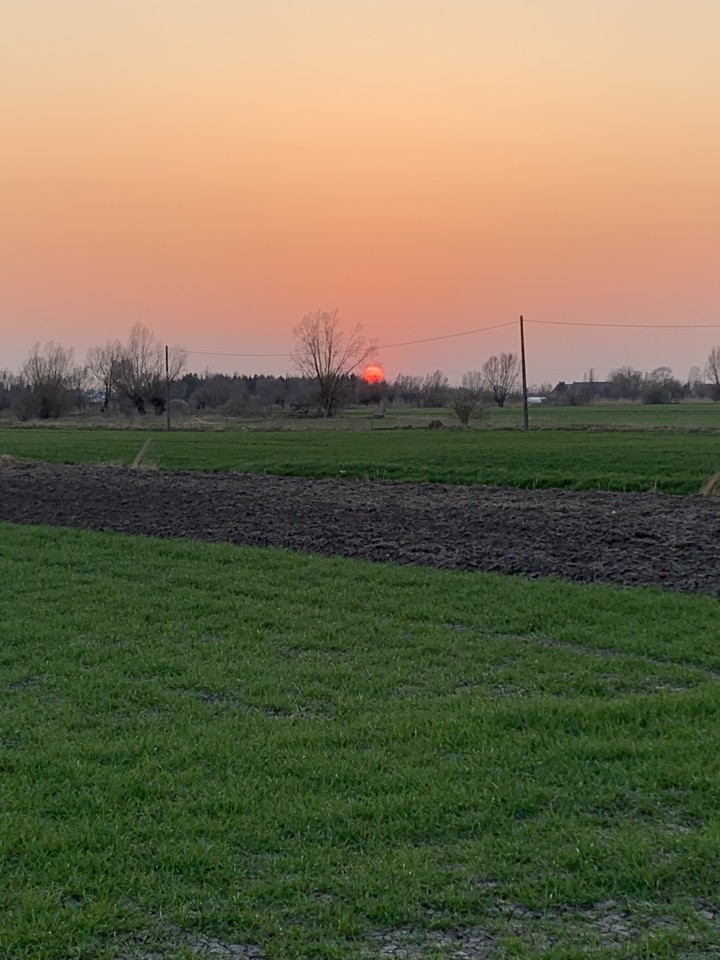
<point x="384" y="346"/>
<point x="210" y="353"/>
<point x="641" y="326"/>
<point x="496" y="326"/>
<point x="447" y="336"/>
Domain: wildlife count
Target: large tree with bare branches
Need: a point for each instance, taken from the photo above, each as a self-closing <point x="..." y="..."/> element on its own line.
<point x="712" y="372"/>
<point x="328" y="354"/>
<point x="51" y="382"/>
<point x="141" y="372"/>
<point x="501" y="374"/>
<point x="103" y="363"/>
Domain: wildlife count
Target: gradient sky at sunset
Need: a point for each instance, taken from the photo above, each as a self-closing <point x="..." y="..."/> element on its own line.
<point x="217" y="168"/>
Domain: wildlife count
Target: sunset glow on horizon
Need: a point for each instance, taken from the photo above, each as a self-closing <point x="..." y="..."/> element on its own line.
<point x="217" y="169"/>
<point x="373" y="373"/>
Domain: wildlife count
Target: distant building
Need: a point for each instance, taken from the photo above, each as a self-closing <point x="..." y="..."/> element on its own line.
<point x="581" y="391"/>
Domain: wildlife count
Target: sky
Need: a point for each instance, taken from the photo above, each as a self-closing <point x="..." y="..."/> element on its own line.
<point x="216" y="169"/>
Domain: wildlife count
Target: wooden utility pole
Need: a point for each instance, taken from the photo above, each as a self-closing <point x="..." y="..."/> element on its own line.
<point x="526" y="424"/>
<point x="167" y="386"/>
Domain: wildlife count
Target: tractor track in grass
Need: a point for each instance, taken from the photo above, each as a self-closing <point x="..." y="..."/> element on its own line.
<point x="630" y="539"/>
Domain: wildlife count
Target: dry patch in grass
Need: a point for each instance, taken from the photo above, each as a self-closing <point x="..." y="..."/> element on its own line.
<point x="711" y="488"/>
<point x="604" y="928"/>
<point x="139" y="461"/>
<point x="472" y="943"/>
<point x="204" y="948"/>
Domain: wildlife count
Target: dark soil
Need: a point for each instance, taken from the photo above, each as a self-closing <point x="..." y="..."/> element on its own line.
<point x="629" y="539"/>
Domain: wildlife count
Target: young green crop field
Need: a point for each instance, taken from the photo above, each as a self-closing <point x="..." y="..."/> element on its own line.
<point x="615" y="415"/>
<point x="664" y="461"/>
<point x="633" y="416"/>
<point x="206" y="748"/>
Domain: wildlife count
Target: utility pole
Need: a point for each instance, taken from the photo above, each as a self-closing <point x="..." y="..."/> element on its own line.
<point x="167" y="386"/>
<point x="526" y="425"/>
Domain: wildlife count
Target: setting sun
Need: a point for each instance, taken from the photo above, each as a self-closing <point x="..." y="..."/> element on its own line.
<point x="373" y="373"/>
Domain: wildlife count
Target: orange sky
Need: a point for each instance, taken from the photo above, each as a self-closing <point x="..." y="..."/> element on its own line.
<point x="218" y="168"/>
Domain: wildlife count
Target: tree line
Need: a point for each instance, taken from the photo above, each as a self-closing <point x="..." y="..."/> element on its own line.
<point x="137" y="376"/>
<point x="123" y="376"/>
<point x="657" y="386"/>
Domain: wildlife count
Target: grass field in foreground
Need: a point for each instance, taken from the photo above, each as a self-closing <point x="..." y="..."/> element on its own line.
<point x="203" y="745"/>
<point x="643" y="460"/>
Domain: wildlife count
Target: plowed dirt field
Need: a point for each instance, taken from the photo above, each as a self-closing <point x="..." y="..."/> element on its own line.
<point x="629" y="539"/>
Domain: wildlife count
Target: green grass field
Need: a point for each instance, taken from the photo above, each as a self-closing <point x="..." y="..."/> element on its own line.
<point x="326" y="758"/>
<point x="582" y="460"/>
<point x="635" y="416"/>
<point x="688" y="415"/>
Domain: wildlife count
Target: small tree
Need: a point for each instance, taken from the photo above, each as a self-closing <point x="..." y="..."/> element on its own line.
<point x="468" y="397"/>
<point x="501" y="374"/>
<point x="328" y="354"/>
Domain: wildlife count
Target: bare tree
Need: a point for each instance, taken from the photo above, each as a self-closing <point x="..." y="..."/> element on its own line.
<point x="406" y="387"/>
<point x="712" y="372"/>
<point x="328" y="354"/>
<point x="435" y="389"/>
<point x="103" y="363"/>
<point x="49" y="377"/>
<point x="501" y="374"/>
<point x="11" y="387"/>
<point x="468" y="396"/>
<point x="474" y="381"/>
<point x="141" y="371"/>
<point x="625" y="383"/>
<point x="77" y="384"/>
<point x="694" y="384"/>
<point x="660" y="386"/>
<point x="140" y="367"/>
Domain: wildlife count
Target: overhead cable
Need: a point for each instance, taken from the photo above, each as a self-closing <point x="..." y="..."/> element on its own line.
<point x="641" y="326"/>
<point x="384" y="346"/>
